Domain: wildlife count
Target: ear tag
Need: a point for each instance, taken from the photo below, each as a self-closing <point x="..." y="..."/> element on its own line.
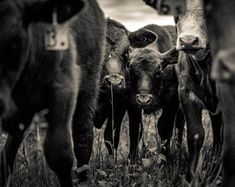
<point x="56" y="36"/>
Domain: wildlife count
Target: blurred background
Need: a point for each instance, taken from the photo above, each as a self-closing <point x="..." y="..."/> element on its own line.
<point x="133" y="13"/>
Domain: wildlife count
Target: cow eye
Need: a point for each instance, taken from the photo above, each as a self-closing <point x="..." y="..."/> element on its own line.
<point x="145" y="39"/>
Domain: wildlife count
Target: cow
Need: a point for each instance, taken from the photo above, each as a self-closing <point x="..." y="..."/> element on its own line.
<point x="114" y="95"/>
<point x="153" y="81"/>
<point x="197" y="90"/>
<point x="220" y="17"/>
<point x="35" y="76"/>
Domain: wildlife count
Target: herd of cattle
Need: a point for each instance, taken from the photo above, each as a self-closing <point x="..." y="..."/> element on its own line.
<point x="108" y="71"/>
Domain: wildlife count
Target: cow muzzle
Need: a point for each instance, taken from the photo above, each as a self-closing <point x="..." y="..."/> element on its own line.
<point x="144" y="99"/>
<point x="116" y="80"/>
<point x="189" y="43"/>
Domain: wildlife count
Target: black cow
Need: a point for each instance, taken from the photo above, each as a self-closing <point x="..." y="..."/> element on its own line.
<point x="220" y="17"/>
<point x="114" y="97"/>
<point x="34" y="78"/>
<point x="196" y="89"/>
<point x="154" y="85"/>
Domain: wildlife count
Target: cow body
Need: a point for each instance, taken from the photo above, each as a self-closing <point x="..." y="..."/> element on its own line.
<point x="64" y="82"/>
<point x="220" y="23"/>
<point x="114" y="96"/>
<point x="196" y="89"/>
<point x="154" y="85"/>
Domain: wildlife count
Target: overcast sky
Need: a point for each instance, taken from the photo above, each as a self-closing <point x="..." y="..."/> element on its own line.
<point x="133" y="13"/>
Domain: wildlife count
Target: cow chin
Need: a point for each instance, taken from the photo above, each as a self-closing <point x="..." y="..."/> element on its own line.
<point x="151" y="109"/>
<point x="200" y="54"/>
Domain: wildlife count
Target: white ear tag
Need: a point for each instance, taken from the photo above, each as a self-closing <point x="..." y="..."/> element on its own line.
<point x="56" y="36"/>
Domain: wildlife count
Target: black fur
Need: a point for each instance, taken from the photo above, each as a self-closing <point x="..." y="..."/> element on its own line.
<point x="148" y="76"/>
<point x="65" y="82"/>
<point x="117" y="45"/>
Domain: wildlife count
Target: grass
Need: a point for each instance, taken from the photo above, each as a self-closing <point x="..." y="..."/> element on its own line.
<point x="150" y="170"/>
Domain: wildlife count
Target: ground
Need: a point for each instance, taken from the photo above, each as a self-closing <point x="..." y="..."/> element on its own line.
<point x="150" y="170"/>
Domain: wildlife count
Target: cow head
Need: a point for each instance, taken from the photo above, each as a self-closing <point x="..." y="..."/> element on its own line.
<point x="16" y="17"/>
<point x="116" y="56"/>
<point x="191" y="29"/>
<point x="147" y="67"/>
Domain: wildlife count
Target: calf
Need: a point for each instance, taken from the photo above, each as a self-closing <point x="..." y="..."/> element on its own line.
<point x="34" y="78"/>
<point x="220" y="17"/>
<point x="114" y="97"/>
<point x="196" y="89"/>
<point x="154" y="84"/>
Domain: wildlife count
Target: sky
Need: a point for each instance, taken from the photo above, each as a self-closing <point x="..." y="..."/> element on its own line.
<point x="134" y="14"/>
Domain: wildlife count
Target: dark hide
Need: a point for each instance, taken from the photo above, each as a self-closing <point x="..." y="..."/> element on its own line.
<point x="220" y="17"/>
<point x="196" y="89"/>
<point x="115" y="66"/>
<point x="154" y="85"/>
<point x="33" y="79"/>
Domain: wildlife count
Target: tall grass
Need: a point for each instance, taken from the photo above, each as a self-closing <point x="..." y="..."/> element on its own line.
<point x="151" y="169"/>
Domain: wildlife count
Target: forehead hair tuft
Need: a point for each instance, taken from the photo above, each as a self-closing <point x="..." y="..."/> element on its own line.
<point x="147" y="58"/>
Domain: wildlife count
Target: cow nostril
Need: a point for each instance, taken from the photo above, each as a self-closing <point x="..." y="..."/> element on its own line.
<point x="148" y="100"/>
<point x="121" y="81"/>
<point x="107" y="80"/>
<point x="196" y="41"/>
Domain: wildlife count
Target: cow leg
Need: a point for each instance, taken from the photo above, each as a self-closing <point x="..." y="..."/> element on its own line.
<point x="58" y="143"/>
<point x="101" y="113"/>
<point x="195" y="132"/>
<point x="227" y="99"/>
<point x="135" y="130"/>
<point x="14" y="139"/>
<point x="166" y="123"/>
<point x="119" y="112"/>
<point x="216" y="123"/>
<point x="83" y="130"/>
<point x="179" y="124"/>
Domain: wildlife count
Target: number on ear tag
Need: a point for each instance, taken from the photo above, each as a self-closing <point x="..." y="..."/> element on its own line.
<point x="56" y="36"/>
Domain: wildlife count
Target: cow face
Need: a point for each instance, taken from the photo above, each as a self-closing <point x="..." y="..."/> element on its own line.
<point x="16" y="17"/>
<point x="191" y="29"/>
<point x="147" y="66"/>
<point x="116" y="56"/>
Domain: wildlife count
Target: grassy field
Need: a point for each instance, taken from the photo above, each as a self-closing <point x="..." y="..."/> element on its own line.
<point x="31" y="169"/>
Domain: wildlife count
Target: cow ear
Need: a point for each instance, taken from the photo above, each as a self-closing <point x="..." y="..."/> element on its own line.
<point x="41" y="11"/>
<point x="170" y="57"/>
<point x="142" y="38"/>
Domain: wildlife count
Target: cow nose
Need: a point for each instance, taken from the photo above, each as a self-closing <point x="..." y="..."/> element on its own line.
<point x="115" y="79"/>
<point x="189" y="41"/>
<point x="144" y="99"/>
